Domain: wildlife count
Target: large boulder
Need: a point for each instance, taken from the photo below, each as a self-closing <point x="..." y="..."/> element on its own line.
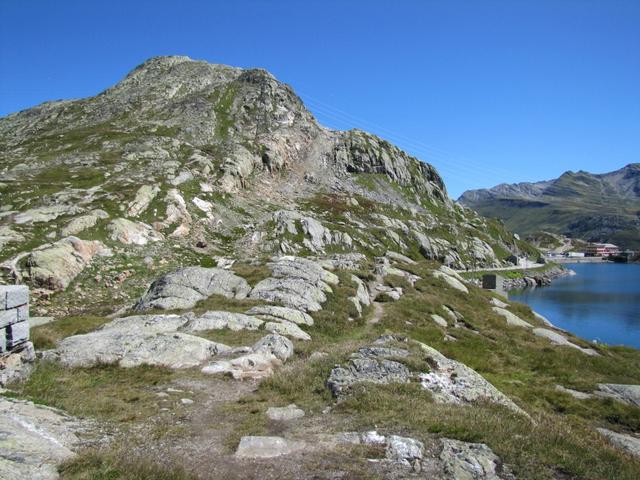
<point x="56" y="265"/>
<point x="185" y="287"/>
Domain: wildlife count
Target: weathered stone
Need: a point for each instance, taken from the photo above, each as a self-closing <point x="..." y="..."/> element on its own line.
<point x="629" y="443"/>
<point x="81" y="223"/>
<point x="12" y="296"/>
<point x="55" y="266"/>
<point x="266" y="447"/>
<point x="398" y="257"/>
<point x="17" y="365"/>
<point x="285" y="414"/>
<point x="558" y="339"/>
<point x="439" y="320"/>
<point x="574" y="393"/>
<point x="369" y="364"/>
<point x="470" y="461"/>
<point x="132" y="233"/>
<point x="404" y="450"/>
<point x="629" y="394"/>
<point x="498" y="303"/>
<point x="144" y="196"/>
<point x="45" y="214"/>
<point x="451" y="281"/>
<point x="277" y="345"/>
<point x="133" y="341"/>
<point x="253" y="365"/>
<point x="288" y="329"/>
<point x="292" y="292"/>
<point x="511" y="318"/>
<point x="35" y="440"/>
<point x="221" y="320"/>
<point x="271" y="312"/>
<point x="185" y="287"/>
<point x="450" y="381"/>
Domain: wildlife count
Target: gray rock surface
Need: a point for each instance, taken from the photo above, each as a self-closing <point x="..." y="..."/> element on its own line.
<point x="404" y="450"/>
<point x="511" y="318"/>
<point x="277" y="345"/>
<point x="285" y="414"/>
<point x="275" y="313"/>
<point x="266" y="447"/>
<point x="34" y="440"/>
<point x="559" y="339"/>
<point x="141" y="340"/>
<point x="55" y="266"/>
<point x="629" y="443"/>
<point x="470" y="461"/>
<point x="221" y="320"/>
<point x="450" y="280"/>
<point x="629" y="394"/>
<point x="132" y="233"/>
<point x="82" y="222"/>
<point x="184" y="288"/>
<point x="296" y="283"/>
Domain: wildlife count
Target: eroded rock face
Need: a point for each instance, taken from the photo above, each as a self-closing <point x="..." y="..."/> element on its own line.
<point x="629" y="394"/>
<point x="629" y="443"/>
<point x="133" y="233"/>
<point x="271" y="312"/>
<point x="297" y="283"/>
<point x="55" y="266"/>
<point x="81" y="223"/>
<point x="183" y="288"/>
<point x="511" y="318"/>
<point x="471" y="461"/>
<point x="448" y="381"/>
<point x="35" y="439"/>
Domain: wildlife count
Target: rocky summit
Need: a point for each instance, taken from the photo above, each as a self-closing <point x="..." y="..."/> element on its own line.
<point x="220" y="287"/>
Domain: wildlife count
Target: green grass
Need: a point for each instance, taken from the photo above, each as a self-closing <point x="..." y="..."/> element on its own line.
<point x="47" y="336"/>
<point x="120" y="465"/>
<point x="105" y="392"/>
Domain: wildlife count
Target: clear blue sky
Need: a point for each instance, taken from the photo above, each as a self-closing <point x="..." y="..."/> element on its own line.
<point x="488" y="91"/>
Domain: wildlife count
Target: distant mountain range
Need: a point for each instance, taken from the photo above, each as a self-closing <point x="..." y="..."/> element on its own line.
<point x="593" y="207"/>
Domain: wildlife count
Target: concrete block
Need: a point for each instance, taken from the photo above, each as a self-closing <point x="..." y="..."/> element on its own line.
<point x="492" y="281"/>
<point x="17" y="333"/>
<point x="13" y="296"/>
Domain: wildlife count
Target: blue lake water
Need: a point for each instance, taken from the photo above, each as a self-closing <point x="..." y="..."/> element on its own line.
<point x="601" y="302"/>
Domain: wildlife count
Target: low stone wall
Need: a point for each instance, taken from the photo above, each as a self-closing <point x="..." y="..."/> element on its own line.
<point x="14" y="317"/>
<point x="16" y="351"/>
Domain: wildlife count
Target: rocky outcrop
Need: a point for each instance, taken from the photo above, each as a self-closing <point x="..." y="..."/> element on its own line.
<point x="35" y="439"/>
<point x="451" y="278"/>
<point x="144" y="197"/>
<point x="296" y="283"/>
<point x="184" y="288"/>
<point x="629" y="394"/>
<point x="134" y="341"/>
<point x="55" y="266"/>
<point x="448" y="380"/>
<point x="83" y="222"/>
<point x="132" y="233"/>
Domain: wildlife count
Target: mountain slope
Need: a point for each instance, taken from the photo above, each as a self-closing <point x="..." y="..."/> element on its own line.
<point x="593" y="207"/>
<point x="239" y="292"/>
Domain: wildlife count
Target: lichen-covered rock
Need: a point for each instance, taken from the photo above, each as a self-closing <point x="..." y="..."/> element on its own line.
<point x="56" y="265"/>
<point x="629" y="443"/>
<point x="450" y="280"/>
<point x="275" y="313"/>
<point x="144" y="196"/>
<point x="404" y="450"/>
<point x="471" y="461"/>
<point x="277" y="345"/>
<point x="559" y="339"/>
<point x="629" y="394"/>
<point x="221" y="320"/>
<point x="369" y="364"/>
<point x="450" y="381"/>
<point x="511" y="318"/>
<point x="252" y="365"/>
<point x="132" y="233"/>
<point x="296" y="283"/>
<point x="114" y="346"/>
<point x="285" y="414"/>
<point x="82" y="222"/>
<point x="35" y="440"/>
<point x="185" y="287"/>
<point x="288" y="329"/>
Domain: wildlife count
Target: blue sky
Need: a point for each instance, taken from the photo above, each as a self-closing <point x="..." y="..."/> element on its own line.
<point x="488" y="91"/>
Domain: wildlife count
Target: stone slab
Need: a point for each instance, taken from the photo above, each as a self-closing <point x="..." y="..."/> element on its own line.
<point x="14" y="315"/>
<point x="3" y="340"/>
<point x="17" y="333"/>
<point x="13" y="296"/>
